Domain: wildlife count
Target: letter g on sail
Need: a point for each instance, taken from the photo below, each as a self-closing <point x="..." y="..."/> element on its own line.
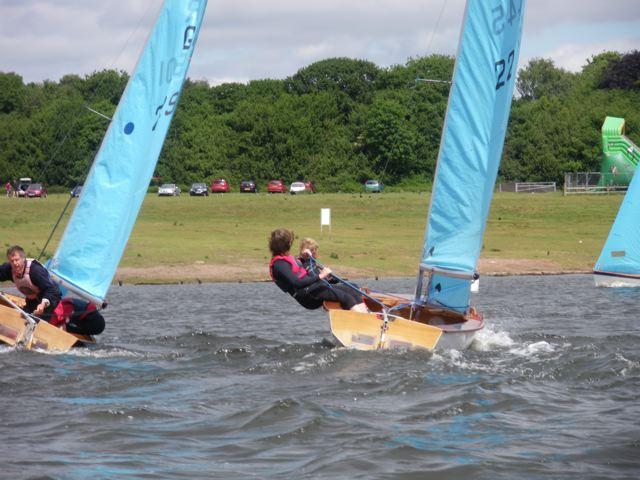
<point x="189" y="35"/>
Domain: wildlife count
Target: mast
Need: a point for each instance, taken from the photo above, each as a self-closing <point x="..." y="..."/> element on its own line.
<point x="470" y="150"/>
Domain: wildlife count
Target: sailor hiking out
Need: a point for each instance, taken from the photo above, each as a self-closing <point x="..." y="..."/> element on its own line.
<point x="308" y="287"/>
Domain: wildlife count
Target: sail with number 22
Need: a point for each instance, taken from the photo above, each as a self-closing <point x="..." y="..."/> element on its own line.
<point x="440" y="314"/>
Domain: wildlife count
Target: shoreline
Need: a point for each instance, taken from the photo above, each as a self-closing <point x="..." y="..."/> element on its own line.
<point x="199" y="272"/>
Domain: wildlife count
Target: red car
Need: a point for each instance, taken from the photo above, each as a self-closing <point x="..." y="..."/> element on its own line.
<point x="276" y="186"/>
<point x="220" y="185"/>
<point x="310" y="186"/>
<point x="36" y="190"/>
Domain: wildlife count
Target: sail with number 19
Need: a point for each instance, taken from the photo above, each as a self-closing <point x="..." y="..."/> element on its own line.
<point x="439" y="314"/>
<point x="94" y="240"/>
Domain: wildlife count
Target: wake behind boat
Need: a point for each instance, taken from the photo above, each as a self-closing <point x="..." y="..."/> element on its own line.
<point x="97" y="233"/>
<point x="473" y="136"/>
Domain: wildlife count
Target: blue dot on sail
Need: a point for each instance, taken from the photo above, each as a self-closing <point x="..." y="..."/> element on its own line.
<point x="128" y="128"/>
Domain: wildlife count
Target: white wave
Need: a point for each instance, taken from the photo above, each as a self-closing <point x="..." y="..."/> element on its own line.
<point x="630" y="365"/>
<point x="533" y="348"/>
<point x="99" y="353"/>
<point x="488" y="339"/>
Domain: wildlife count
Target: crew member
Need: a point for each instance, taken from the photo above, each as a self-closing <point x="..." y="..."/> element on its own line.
<point x="33" y="281"/>
<point x="309" y="288"/>
<point x="43" y="296"/>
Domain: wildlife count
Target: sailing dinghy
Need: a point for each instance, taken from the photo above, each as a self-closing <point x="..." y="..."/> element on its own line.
<point x="619" y="262"/>
<point x="95" y="237"/>
<point x="439" y="314"/>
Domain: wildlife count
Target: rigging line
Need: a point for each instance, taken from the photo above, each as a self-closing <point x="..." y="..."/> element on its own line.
<point x="435" y="29"/>
<point x="428" y="49"/>
<point x="73" y="124"/>
<point x="55" y="227"/>
<point x="113" y="63"/>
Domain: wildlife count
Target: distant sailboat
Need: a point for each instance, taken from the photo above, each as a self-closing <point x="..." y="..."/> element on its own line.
<point x="97" y="233"/>
<point x="470" y="150"/>
<point x="619" y="262"/>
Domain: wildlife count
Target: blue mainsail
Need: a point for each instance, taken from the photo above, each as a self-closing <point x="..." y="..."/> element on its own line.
<point x="471" y="147"/>
<point x="97" y="233"/>
<point x="621" y="252"/>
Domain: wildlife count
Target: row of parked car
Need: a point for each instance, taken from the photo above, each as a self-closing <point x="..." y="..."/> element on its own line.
<point x="28" y="189"/>
<point x="220" y="185"/>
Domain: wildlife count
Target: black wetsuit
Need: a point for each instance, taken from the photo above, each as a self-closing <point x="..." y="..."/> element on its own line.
<point x="85" y="319"/>
<point x="310" y="291"/>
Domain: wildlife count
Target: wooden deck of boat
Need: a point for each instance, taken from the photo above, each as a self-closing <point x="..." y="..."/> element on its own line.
<point x="14" y="329"/>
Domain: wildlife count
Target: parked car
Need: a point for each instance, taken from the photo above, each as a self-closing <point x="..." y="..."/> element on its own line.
<point x="36" y="190"/>
<point x="276" y="186"/>
<point x="22" y="186"/>
<point x="199" y="189"/>
<point x="220" y="185"/>
<point x="169" y="190"/>
<point x="373" y="186"/>
<point x="248" y="186"/>
<point x="301" y="187"/>
<point x="75" y="192"/>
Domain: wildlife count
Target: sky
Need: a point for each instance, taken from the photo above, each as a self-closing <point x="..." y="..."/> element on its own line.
<point x="243" y="40"/>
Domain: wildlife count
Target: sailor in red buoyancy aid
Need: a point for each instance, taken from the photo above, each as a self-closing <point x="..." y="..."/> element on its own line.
<point x="43" y="297"/>
<point x="308" y="288"/>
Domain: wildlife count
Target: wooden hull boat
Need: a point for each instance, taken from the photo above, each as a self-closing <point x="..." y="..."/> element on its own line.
<point x="406" y="326"/>
<point x="15" y="329"/>
<point x="440" y="315"/>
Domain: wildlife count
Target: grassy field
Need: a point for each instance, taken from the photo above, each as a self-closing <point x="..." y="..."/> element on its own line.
<point x="372" y="234"/>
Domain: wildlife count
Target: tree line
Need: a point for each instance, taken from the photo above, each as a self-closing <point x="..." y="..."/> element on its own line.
<point x="337" y="122"/>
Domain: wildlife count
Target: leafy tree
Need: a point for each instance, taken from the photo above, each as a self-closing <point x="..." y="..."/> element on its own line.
<point x="388" y="139"/>
<point x="12" y="92"/>
<point x="355" y="78"/>
<point x="623" y="73"/>
<point x="541" y="78"/>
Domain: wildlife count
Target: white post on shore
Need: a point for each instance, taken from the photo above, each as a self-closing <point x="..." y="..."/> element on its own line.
<point x="325" y="219"/>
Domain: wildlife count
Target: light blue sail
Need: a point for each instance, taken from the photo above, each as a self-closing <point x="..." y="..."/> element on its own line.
<point x="97" y="233"/>
<point x="471" y="147"/>
<point x="621" y="251"/>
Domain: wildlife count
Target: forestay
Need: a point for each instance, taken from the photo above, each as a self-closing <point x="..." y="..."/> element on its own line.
<point x="97" y="233"/>
<point x="621" y="252"/>
<point x="471" y="147"/>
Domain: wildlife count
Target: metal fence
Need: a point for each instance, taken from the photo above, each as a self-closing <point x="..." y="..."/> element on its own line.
<point x="535" y="187"/>
<point x="596" y="182"/>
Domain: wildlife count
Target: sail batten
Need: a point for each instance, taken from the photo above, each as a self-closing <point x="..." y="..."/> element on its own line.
<point x="97" y="233"/>
<point x="471" y="145"/>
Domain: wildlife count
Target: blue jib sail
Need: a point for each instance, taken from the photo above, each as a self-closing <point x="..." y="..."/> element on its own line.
<point x="97" y="233"/>
<point x="621" y="252"/>
<point x="471" y="147"/>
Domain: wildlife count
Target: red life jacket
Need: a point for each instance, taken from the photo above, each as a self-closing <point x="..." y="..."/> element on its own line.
<point x="67" y="307"/>
<point x="297" y="269"/>
<point x="24" y="283"/>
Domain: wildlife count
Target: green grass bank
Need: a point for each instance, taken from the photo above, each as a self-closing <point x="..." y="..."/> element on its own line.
<point x="224" y="237"/>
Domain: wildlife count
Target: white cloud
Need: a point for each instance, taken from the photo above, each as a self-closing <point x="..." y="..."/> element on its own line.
<point x="574" y="56"/>
<point x="253" y="39"/>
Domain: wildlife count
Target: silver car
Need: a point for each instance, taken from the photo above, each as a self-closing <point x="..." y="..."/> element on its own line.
<point x="169" y="190"/>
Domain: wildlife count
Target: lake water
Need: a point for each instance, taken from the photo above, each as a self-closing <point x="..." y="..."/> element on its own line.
<point x="233" y="381"/>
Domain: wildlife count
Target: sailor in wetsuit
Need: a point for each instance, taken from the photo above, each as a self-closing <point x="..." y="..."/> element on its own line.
<point x="310" y="289"/>
<point x="43" y="296"/>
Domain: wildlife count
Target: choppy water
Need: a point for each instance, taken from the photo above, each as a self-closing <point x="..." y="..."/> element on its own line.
<point x="232" y="381"/>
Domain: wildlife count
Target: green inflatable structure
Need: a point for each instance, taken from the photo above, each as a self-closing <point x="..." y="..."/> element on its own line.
<point x="620" y="155"/>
